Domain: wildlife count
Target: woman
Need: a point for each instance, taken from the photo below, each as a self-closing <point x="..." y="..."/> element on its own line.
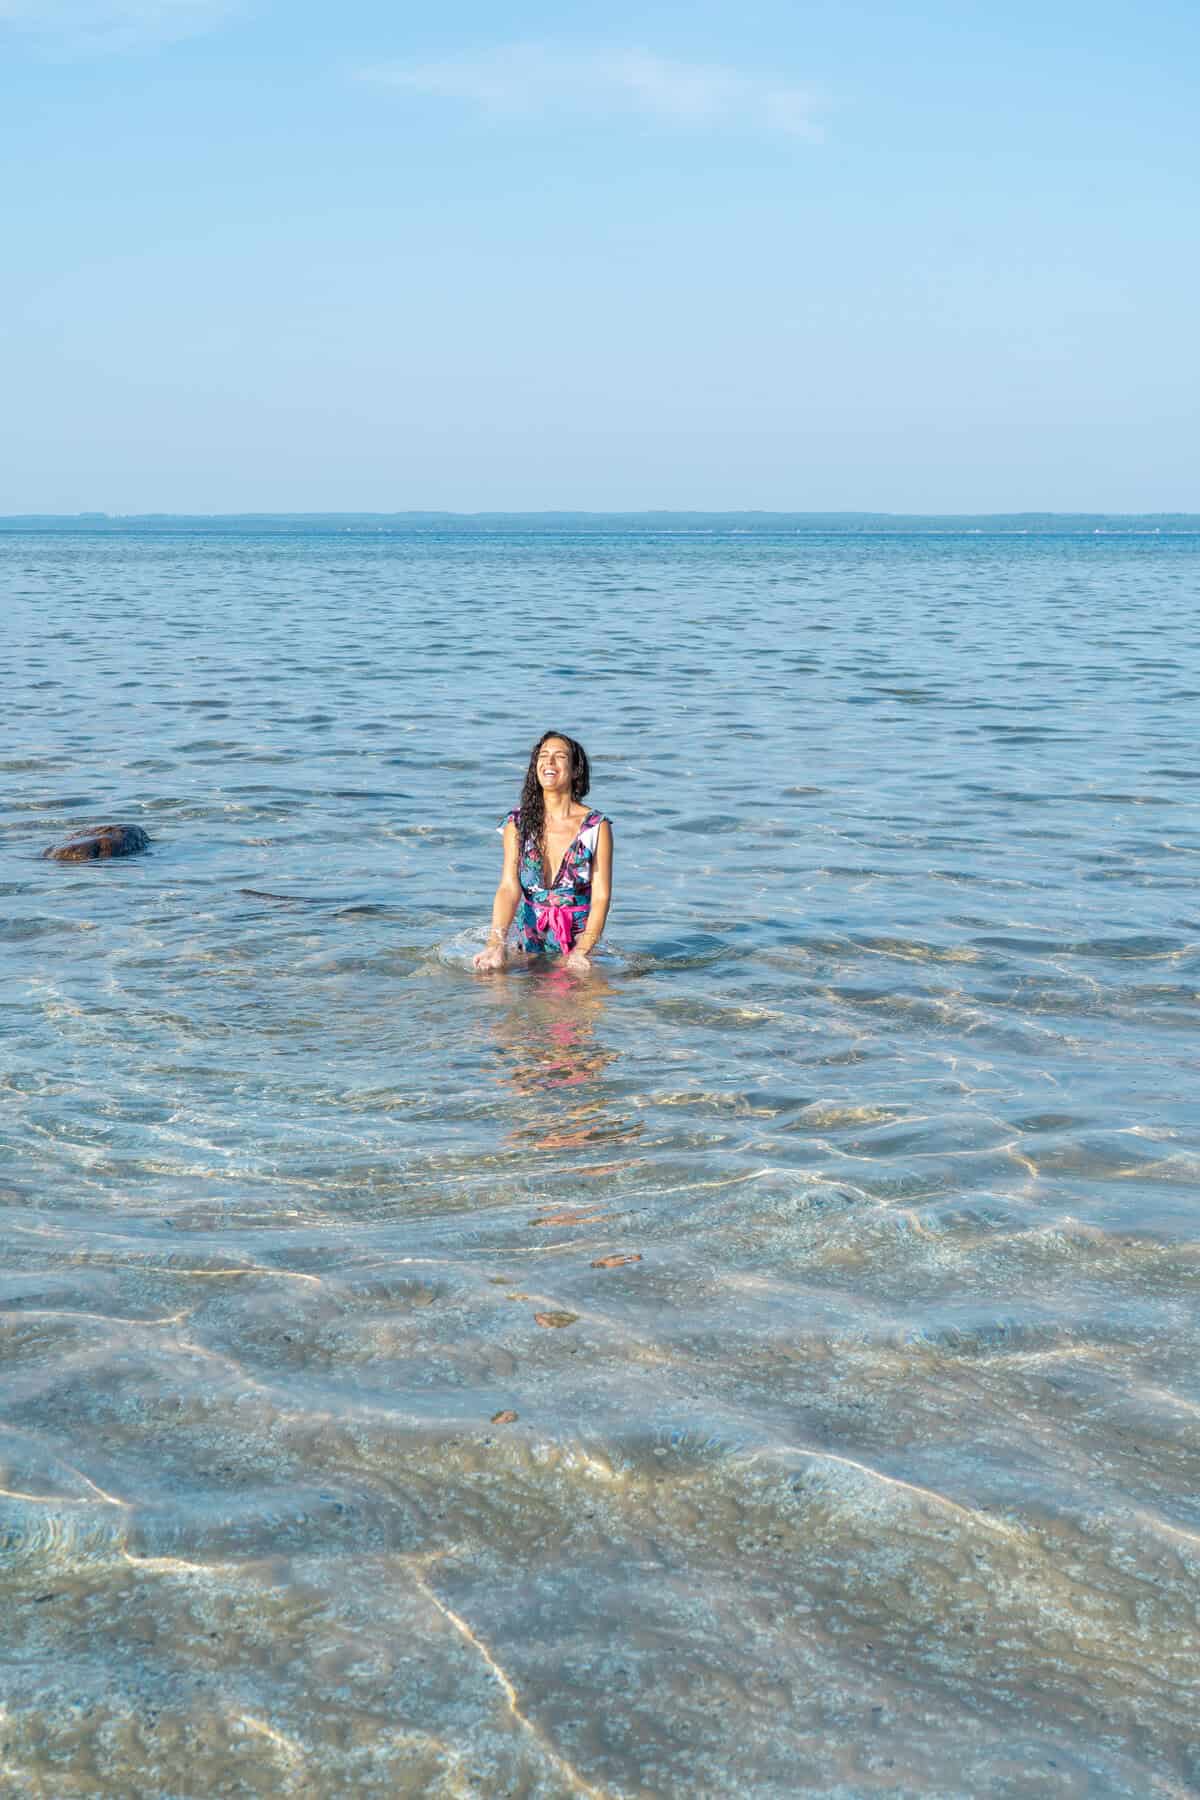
<point x="557" y="875"/>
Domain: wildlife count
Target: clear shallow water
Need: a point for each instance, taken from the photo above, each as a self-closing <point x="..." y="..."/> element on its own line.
<point x="879" y="1472"/>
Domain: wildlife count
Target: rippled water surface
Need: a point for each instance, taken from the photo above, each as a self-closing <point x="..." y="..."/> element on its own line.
<point x="859" y="1182"/>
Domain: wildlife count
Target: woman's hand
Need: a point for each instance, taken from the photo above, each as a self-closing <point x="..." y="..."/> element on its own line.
<point x="578" y="962"/>
<point x="508" y="897"/>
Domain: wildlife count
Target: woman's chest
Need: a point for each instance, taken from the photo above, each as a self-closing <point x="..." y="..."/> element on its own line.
<point x="566" y="858"/>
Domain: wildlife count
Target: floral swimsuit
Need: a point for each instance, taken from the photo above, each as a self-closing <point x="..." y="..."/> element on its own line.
<point x="551" y="918"/>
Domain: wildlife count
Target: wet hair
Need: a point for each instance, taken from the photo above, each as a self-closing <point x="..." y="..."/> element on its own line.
<point x="531" y="809"/>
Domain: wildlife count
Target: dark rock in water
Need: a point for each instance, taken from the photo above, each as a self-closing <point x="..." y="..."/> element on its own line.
<point x="100" y="840"/>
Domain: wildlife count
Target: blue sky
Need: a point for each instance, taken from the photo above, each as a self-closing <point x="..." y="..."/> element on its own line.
<point x="856" y="256"/>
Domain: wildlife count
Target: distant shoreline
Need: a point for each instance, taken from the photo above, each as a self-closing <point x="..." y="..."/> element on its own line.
<point x="855" y="524"/>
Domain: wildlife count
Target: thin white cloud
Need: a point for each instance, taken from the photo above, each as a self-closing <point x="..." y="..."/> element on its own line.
<point x="106" y="25"/>
<point x="527" y="80"/>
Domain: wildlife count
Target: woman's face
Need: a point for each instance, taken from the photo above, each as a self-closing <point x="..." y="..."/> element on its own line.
<point x="554" y="766"/>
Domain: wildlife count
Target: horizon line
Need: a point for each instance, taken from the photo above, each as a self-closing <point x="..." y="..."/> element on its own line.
<point x="657" y="512"/>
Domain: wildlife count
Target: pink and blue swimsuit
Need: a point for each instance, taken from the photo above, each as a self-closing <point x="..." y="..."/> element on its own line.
<point x="550" y="918"/>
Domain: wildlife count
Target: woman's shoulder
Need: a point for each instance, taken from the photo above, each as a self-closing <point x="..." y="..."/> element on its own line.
<point x="589" y="831"/>
<point x="511" y="818"/>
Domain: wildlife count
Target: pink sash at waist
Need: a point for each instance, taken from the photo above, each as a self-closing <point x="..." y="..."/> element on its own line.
<point x="559" y="921"/>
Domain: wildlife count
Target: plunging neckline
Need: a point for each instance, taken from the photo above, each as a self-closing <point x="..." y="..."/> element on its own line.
<point x="551" y="885"/>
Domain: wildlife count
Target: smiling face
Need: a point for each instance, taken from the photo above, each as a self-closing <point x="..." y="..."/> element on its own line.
<point x="558" y="774"/>
<point x="554" y="766"/>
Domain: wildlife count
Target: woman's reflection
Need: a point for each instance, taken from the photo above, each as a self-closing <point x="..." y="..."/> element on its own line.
<point x="545" y="1030"/>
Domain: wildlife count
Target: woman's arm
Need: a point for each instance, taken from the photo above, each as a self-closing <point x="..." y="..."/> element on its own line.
<point x="508" y="898"/>
<point x="589" y="937"/>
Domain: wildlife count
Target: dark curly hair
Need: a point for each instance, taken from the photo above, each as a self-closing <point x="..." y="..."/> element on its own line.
<point x="531" y="809"/>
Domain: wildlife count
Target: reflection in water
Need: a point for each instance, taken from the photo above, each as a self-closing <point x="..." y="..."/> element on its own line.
<point x="545" y="1026"/>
